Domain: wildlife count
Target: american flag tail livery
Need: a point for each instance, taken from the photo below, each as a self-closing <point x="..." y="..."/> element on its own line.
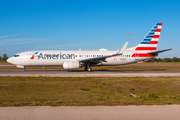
<point x="149" y="43"/>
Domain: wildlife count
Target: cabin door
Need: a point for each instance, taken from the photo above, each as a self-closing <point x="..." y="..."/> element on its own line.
<point x="136" y="56"/>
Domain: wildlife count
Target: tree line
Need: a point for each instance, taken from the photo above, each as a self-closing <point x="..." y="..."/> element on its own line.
<point x="174" y="59"/>
<point x="3" y="58"/>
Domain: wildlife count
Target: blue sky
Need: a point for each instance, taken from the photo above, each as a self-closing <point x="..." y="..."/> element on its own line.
<point x="27" y="25"/>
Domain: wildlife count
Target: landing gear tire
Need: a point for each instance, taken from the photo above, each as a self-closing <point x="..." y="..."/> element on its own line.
<point x="89" y="69"/>
<point x="23" y="69"/>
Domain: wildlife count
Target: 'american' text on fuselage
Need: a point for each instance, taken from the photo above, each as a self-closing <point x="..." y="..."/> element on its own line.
<point x="56" y="56"/>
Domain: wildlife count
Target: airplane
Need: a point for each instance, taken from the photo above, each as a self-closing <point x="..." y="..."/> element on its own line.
<point x="74" y="59"/>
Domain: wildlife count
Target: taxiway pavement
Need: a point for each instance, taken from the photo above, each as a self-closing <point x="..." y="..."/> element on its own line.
<point x="154" y="112"/>
<point x="6" y="65"/>
<point x="95" y="73"/>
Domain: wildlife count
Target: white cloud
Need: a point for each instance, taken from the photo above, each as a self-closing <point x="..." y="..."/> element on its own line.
<point x="6" y="36"/>
<point x="19" y="41"/>
<point x="134" y="37"/>
<point x="128" y="32"/>
<point x="131" y="33"/>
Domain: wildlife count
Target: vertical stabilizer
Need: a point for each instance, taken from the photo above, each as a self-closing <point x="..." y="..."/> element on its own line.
<point x="150" y="41"/>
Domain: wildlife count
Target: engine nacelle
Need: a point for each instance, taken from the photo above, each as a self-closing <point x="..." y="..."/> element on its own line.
<point x="20" y="66"/>
<point x="71" y="65"/>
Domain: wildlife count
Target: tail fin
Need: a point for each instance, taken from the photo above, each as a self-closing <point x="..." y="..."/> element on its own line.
<point x="150" y="41"/>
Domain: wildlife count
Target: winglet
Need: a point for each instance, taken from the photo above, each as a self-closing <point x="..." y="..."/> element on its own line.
<point x="122" y="49"/>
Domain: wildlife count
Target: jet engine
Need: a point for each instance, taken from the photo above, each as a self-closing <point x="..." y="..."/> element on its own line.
<point x="71" y="65"/>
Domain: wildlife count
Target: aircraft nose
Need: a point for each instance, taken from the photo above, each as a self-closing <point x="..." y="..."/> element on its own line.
<point x="10" y="60"/>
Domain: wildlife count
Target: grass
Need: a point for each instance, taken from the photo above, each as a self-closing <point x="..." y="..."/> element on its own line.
<point x="88" y="91"/>
<point x="4" y="63"/>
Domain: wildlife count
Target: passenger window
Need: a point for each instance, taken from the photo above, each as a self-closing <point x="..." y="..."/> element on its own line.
<point x="79" y="55"/>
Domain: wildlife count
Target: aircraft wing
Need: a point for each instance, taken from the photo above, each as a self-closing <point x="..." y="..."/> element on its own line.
<point x="156" y="52"/>
<point x="97" y="60"/>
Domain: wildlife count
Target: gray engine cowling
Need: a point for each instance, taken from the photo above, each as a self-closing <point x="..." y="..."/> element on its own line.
<point x="71" y="65"/>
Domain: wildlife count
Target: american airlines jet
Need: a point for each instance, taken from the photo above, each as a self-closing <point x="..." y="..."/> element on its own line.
<point x="74" y="59"/>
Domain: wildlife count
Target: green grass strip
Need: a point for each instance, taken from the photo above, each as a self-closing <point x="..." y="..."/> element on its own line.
<point x="88" y="91"/>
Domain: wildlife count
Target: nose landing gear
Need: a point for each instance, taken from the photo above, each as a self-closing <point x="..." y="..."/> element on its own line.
<point x="24" y="69"/>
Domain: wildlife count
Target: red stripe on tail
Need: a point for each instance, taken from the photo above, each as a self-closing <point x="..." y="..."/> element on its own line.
<point x="158" y="30"/>
<point x="146" y="48"/>
<point x="153" y="42"/>
<point x="156" y="36"/>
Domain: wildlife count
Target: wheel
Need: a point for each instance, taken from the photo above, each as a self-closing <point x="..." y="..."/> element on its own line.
<point x="89" y="69"/>
<point x="23" y="69"/>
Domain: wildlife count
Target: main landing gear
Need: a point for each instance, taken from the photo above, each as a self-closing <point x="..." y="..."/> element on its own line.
<point x="87" y="68"/>
<point x="24" y="69"/>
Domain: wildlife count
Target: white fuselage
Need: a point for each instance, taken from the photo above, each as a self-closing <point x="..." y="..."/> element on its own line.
<point x="57" y="57"/>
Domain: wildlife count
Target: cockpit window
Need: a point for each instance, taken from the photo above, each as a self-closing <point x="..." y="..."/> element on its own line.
<point x="16" y="55"/>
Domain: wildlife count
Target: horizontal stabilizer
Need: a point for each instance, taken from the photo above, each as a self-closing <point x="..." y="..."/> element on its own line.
<point x="156" y="52"/>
